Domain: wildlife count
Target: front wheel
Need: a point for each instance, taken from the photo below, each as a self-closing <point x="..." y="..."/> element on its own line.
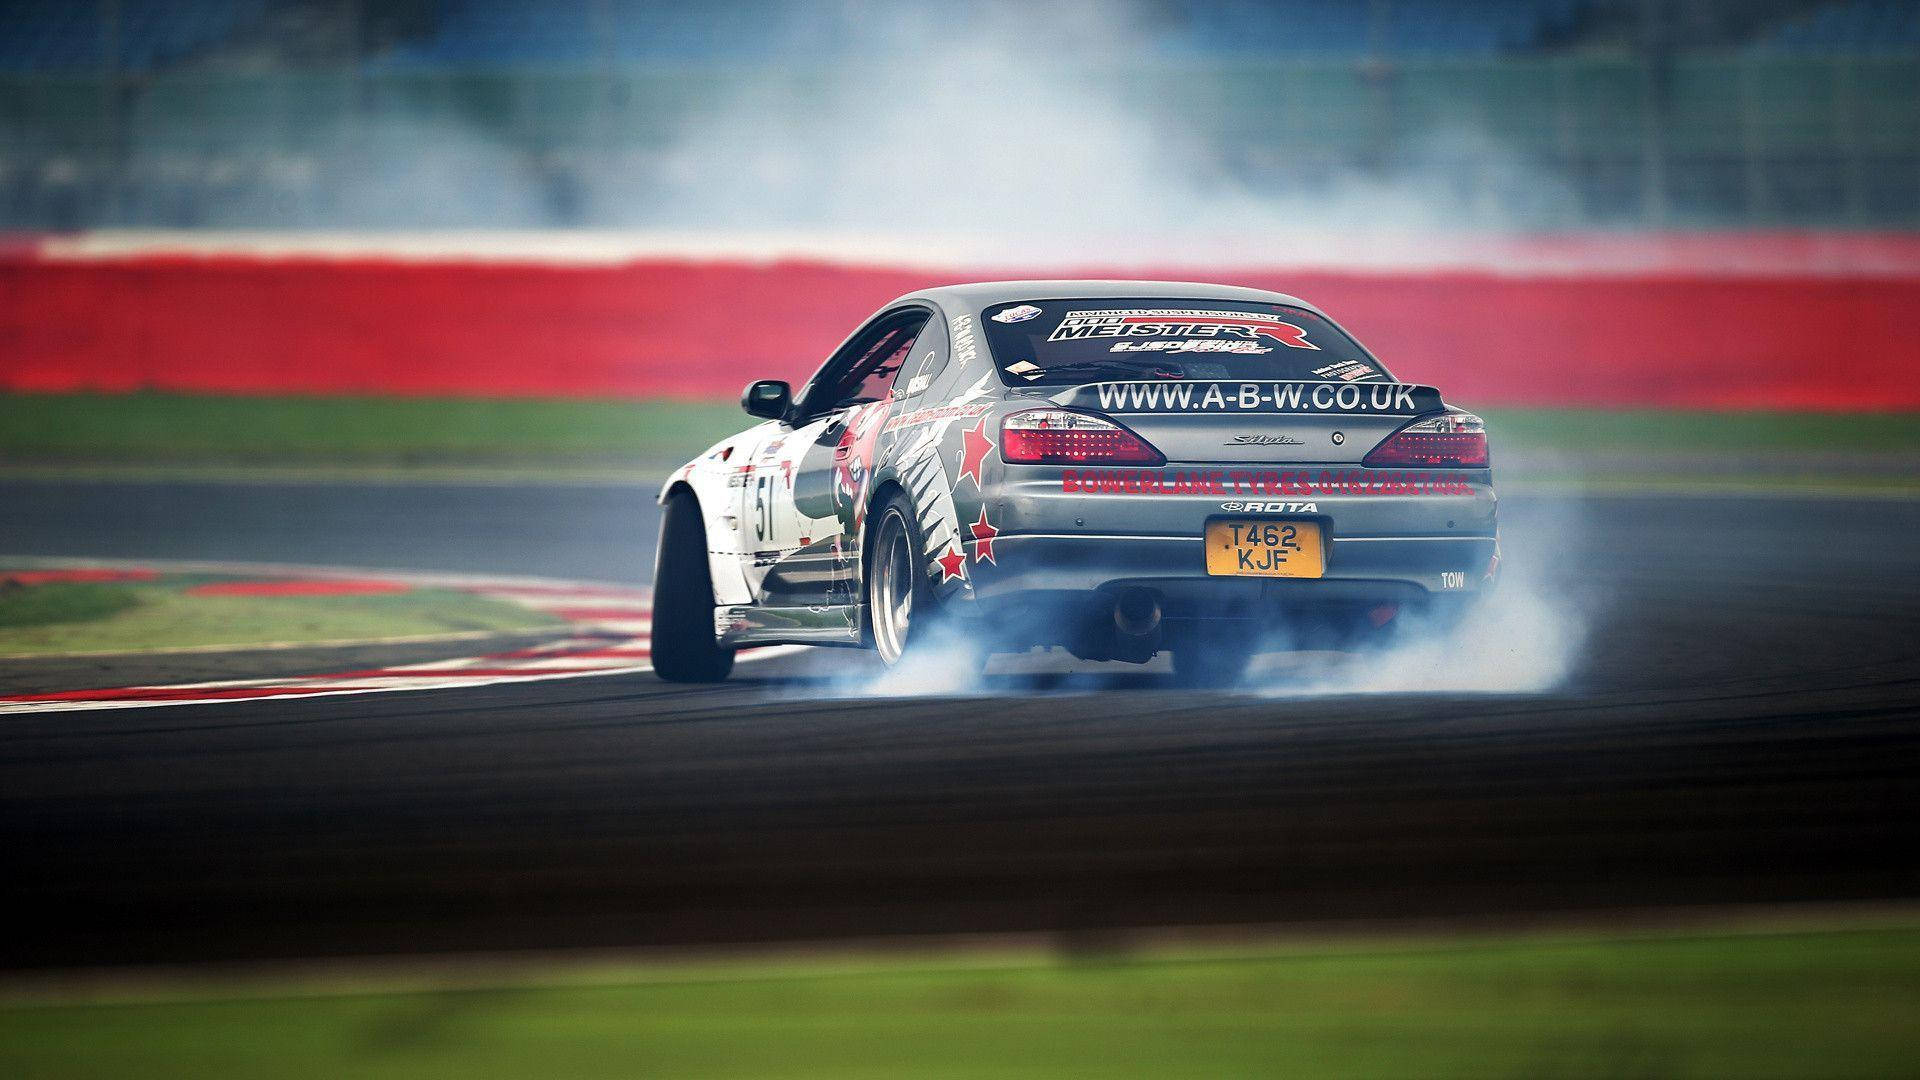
<point x="684" y="649"/>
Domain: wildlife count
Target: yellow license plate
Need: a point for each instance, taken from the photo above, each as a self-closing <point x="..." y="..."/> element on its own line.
<point x="1265" y="549"/>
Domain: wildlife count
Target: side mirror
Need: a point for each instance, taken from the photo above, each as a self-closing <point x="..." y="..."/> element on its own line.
<point x="768" y="398"/>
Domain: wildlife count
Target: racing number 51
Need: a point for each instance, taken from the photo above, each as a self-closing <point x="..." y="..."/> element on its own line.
<point x="762" y="509"/>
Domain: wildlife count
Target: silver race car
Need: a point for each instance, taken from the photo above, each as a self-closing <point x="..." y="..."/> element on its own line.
<point x="1114" y="467"/>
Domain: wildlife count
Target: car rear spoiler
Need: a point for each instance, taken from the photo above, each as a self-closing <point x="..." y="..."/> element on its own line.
<point x="1241" y="397"/>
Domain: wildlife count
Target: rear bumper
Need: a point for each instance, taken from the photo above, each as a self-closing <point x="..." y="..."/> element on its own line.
<point x="1392" y="535"/>
<point x="1401" y="570"/>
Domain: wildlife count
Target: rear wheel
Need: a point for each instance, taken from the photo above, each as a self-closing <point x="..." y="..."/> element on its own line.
<point x="684" y="649"/>
<point x="900" y="602"/>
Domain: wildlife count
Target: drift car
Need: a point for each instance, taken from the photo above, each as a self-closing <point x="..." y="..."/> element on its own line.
<point x="1117" y="468"/>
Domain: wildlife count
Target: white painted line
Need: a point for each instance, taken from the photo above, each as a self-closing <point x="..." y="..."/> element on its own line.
<point x="636" y="627"/>
<point x="10" y="708"/>
<point x="604" y="646"/>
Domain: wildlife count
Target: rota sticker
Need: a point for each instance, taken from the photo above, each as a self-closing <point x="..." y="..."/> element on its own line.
<point x="1272" y="507"/>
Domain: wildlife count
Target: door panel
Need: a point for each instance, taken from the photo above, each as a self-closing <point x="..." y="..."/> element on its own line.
<point x="790" y="525"/>
<point x="828" y="461"/>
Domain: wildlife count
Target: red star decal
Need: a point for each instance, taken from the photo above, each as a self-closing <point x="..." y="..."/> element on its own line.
<point x="974" y="450"/>
<point x="952" y="565"/>
<point x="983" y="535"/>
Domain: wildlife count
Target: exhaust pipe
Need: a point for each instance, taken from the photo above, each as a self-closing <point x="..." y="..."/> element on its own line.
<point x="1136" y="624"/>
<point x="1136" y="613"/>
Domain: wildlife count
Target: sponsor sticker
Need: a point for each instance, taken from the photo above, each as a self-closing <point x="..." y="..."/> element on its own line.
<point x="1278" y="397"/>
<point x="1017" y="314"/>
<point x="1026" y="369"/>
<point x="940" y="412"/>
<point x="965" y="345"/>
<point x="1271" y="507"/>
<point x="1240" y="348"/>
<point x="1295" y="483"/>
<point x="922" y="377"/>
<point x="1348" y="371"/>
<point x="1181" y="324"/>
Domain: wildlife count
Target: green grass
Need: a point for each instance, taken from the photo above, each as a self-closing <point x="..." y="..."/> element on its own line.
<point x="162" y="428"/>
<point x="1698" y="432"/>
<point x="24" y="606"/>
<point x="153" y="435"/>
<point x="1789" y="1004"/>
<point x="158" y="429"/>
<point x="136" y="617"/>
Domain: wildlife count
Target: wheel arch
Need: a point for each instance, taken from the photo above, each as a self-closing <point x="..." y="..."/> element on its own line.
<point x="674" y="487"/>
<point x="880" y="494"/>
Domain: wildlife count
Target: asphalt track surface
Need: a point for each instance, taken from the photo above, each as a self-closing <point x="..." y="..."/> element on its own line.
<point x="1742" y="725"/>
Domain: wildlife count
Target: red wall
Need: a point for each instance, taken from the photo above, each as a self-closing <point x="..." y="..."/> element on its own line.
<point x="657" y="326"/>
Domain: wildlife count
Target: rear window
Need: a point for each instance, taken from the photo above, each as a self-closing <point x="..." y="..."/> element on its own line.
<point x="1037" y="342"/>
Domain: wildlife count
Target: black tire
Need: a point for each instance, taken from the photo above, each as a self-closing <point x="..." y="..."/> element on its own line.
<point x="684" y="649"/>
<point x="1212" y="660"/>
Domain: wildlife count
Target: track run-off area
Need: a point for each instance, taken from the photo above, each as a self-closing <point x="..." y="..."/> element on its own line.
<point x="1737" y="723"/>
<point x="608" y="633"/>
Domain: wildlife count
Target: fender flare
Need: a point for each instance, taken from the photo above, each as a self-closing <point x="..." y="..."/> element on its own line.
<point x="880" y="493"/>
<point x="675" y="482"/>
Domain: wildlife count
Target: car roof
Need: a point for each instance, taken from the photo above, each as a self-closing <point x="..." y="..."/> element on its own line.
<point x="981" y="294"/>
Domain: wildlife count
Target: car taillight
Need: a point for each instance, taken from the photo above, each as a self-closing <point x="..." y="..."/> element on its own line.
<point x="1456" y="440"/>
<point x="1064" y="437"/>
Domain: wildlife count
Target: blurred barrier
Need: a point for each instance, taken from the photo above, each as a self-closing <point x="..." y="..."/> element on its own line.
<point x="1565" y="139"/>
<point x="671" y="327"/>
